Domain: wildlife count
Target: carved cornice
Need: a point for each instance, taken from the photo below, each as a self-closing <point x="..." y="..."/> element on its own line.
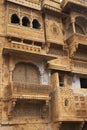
<point x="51" y="5"/>
<point x="26" y="3"/>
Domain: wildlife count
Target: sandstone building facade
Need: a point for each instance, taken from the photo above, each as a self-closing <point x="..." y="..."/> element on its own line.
<point x="43" y="65"/>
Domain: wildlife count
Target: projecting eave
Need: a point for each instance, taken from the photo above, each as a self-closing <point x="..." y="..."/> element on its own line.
<point x="29" y="4"/>
<point x="74" y="5"/>
<point x="56" y="64"/>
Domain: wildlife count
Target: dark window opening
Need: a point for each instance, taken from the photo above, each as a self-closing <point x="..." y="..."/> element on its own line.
<point x="83" y="82"/>
<point x="66" y="102"/>
<point x="25" y="22"/>
<point x="36" y="24"/>
<point x="79" y="29"/>
<point x="61" y="80"/>
<point x="15" y="19"/>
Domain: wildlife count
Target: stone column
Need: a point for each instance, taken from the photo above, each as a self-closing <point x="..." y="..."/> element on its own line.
<point x="73" y="24"/>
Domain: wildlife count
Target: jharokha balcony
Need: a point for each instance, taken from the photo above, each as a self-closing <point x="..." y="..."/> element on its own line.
<point x="30" y="91"/>
<point x="75" y="40"/>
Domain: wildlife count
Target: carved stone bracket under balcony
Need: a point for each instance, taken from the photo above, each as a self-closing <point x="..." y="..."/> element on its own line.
<point x="74" y="41"/>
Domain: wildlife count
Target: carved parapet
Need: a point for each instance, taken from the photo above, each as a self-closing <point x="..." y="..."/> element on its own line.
<point x="30" y="91"/>
<point x="79" y="67"/>
<point x="22" y="47"/>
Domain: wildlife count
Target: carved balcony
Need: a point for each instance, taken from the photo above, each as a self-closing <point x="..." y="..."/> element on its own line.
<point x="74" y="4"/>
<point x="25" y="33"/>
<point x="75" y="40"/>
<point x="72" y="104"/>
<point x="30" y="91"/>
<point x="51" y="5"/>
<point x="28" y="3"/>
<point x="21" y="47"/>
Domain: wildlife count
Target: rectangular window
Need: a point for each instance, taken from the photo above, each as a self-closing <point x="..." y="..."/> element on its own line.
<point x="83" y="82"/>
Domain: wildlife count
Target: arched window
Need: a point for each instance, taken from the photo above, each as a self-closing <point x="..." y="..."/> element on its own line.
<point x="15" y="19"/>
<point x="25" y="22"/>
<point x="26" y="73"/>
<point x="36" y="24"/>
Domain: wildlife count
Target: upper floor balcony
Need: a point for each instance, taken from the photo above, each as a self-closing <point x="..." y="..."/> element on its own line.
<point x="75" y="41"/>
<point x="51" y="5"/>
<point x="74" y="4"/>
<point x="36" y="4"/>
<point x="76" y="34"/>
<point x="22" y="90"/>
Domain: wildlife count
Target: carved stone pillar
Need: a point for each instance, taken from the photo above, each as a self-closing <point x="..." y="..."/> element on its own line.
<point x="55" y="80"/>
<point x="73" y="24"/>
<point x="1" y="62"/>
<point x="4" y="112"/>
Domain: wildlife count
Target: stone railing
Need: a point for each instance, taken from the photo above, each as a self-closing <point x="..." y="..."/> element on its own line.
<point x="26" y="90"/>
<point x="79" y="67"/>
<point x="25" y="33"/>
<point x="52" y="5"/>
<point x="22" y="47"/>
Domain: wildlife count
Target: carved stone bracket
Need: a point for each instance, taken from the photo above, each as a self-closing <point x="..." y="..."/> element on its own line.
<point x="11" y="107"/>
<point x="73" y="48"/>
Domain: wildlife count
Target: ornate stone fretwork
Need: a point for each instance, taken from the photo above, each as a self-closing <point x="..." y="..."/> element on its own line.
<point x="66" y="99"/>
<point x="53" y="30"/>
<point x="43" y="65"/>
<point x="80" y="104"/>
<point x="30" y="91"/>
